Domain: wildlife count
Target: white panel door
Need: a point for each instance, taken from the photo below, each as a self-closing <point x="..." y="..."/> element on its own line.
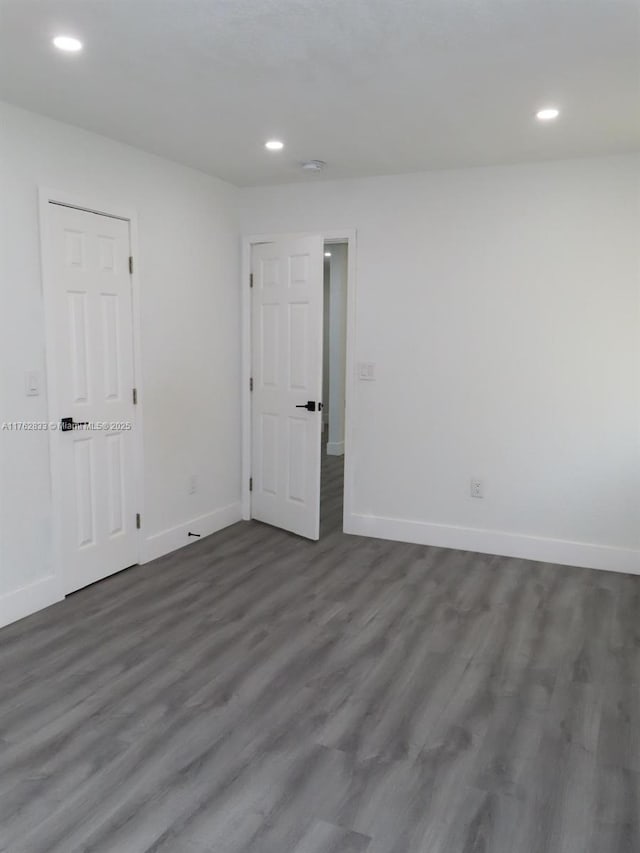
<point x="92" y="347"/>
<point x="286" y="314"/>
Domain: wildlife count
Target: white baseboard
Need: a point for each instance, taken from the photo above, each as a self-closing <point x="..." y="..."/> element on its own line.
<point x="561" y="551"/>
<point x="28" y="599"/>
<point x="176" y="537"/>
<point x="35" y="596"/>
<point x="335" y="448"/>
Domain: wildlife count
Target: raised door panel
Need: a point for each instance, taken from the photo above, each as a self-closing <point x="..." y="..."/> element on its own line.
<point x="94" y="467"/>
<point x="287" y="309"/>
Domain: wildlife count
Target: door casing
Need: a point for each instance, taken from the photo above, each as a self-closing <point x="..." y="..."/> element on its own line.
<point x="104" y="207"/>
<point x="348" y="236"/>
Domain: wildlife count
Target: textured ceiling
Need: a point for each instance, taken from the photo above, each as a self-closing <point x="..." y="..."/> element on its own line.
<point x="370" y="86"/>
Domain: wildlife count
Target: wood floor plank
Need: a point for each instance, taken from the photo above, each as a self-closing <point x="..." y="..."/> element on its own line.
<point x="324" y="837"/>
<point x="259" y="693"/>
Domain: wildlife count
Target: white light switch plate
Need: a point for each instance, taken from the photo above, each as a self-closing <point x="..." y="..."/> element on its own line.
<point x="32" y="383"/>
<point x="366" y="371"/>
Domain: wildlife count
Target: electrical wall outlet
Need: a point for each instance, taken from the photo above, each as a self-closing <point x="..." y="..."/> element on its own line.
<point x="193" y="484"/>
<point x="476" y="488"/>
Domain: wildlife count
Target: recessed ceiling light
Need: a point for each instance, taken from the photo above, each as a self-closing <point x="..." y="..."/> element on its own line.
<point x="68" y="43"/>
<point x="274" y="145"/>
<point x="547" y="114"/>
<point x="327" y="254"/>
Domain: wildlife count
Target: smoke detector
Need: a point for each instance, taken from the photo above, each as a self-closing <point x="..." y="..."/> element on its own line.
<point x="313" y="165"/>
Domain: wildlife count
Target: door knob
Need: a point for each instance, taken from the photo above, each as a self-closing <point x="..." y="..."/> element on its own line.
<point x="310" y="406"/>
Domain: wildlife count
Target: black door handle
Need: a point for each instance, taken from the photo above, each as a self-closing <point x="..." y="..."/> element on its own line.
<point x="67" y="424"/>
<point x="310" y="406"/>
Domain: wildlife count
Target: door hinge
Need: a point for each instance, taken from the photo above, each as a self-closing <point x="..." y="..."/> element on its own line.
<point x="138" y="521"/>
<point x="135" y="396"/>
<point x="130" y="264"/>
<point x="250" y="484"/>
<point x="250" y="279"/>
<point x="251" y="384"/>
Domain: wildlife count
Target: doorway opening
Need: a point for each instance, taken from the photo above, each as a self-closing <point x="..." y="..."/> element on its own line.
<point x="291" y="454"/>
<point x="334" y="355"/>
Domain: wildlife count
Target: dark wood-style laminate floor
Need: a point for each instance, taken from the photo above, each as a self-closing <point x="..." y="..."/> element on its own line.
<point x="257" y="693"/>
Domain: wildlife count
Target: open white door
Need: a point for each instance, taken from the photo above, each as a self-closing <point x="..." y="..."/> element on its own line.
<point x="89" y="308"/>
<point x="286" y="412"/>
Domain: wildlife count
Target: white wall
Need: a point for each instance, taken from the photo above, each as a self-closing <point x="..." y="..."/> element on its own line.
<point x="337" y="347"/>
<point x="501" y="308"/>
<point x="188" y="262"/>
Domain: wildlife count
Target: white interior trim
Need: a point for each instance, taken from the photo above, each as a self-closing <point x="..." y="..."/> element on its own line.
<point x="335" y="448"/>
<point x="28" y="599"/>
<point x="523" y="546"/>
<point x="174" y="538"/>
<point x="104" y="207"/>
<point x="345" y="235"/>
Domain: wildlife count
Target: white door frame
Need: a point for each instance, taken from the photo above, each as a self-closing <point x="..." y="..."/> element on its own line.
<point x="345" y="235"/>
<point x="104" y="207"/>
